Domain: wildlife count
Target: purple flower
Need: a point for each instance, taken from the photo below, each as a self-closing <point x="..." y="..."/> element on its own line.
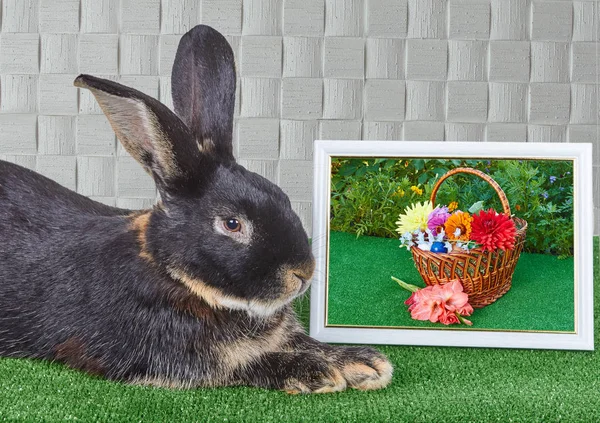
<point x="553" y="179"/>
<point x="545" y="195"/>
<point x="437" y="218"/>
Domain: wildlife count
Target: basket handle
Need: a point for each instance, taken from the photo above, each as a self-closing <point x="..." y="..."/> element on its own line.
<point x="475" y="172"/>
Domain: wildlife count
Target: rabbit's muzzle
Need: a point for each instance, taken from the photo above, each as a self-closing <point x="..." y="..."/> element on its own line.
<point x="306" y="270"/>
<point x="296" y="279"/>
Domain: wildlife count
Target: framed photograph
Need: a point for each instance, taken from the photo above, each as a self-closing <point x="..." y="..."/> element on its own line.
<point x="495" y="238"/>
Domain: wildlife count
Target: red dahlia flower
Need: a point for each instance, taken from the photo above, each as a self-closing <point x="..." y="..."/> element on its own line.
<point x="493" y="230"/>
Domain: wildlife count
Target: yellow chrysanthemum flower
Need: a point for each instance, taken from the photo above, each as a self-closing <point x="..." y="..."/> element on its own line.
<point x="452" y="206"/>
<point x="458" y="226"/>
<point x="414" y="217"/>
<point x="399" y="193"/>
<point x="416" y="190"/>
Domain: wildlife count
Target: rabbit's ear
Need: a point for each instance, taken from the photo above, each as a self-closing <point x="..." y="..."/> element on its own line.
<point x="203" y="89"/>
<point x="148" y="130"/>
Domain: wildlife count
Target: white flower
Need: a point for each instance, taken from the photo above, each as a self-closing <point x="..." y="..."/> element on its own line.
<point x="430" y="237"/>
<point x="440" y="237"/>
<point x="406" y="240"/>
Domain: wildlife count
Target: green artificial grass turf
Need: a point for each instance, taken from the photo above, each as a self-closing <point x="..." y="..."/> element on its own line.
<point x="361" y="292"/>
<point x="430" y="384"/>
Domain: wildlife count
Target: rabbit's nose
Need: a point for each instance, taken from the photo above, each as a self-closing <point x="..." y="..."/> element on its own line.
<point x="305" y="270"/>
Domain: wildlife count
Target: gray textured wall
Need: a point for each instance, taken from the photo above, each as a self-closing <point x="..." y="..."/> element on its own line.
<point x="497" y="70"/>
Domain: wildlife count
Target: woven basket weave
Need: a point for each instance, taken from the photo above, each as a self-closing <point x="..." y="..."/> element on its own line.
<point x="485" y="276"/>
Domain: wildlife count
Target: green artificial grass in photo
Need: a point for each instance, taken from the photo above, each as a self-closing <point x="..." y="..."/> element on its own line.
<point x="362" y="293"/>
<point x="430" y="384"/>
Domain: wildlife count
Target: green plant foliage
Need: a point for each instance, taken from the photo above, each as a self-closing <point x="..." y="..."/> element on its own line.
<point x="367" y="195"/>
<point x="364" y="201"/>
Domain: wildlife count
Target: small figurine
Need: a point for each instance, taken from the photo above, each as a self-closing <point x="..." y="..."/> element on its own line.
<point x="438" y="247"/>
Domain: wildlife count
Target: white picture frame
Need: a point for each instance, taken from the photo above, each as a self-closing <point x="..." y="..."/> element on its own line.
<point x="581" y="154"/>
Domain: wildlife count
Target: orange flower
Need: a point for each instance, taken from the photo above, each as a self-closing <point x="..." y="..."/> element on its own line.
<point x="518" y="207"/>
<point x="458" y="226"/>
<point x="452" y="206"/>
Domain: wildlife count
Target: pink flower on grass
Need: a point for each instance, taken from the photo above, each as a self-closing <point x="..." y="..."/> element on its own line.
<point x="437" y="218"/>
<point x="452" y="295"/>
<point x="424" y="307"/>
<point x="440" y="303"/>
<point x="448" y="318"/>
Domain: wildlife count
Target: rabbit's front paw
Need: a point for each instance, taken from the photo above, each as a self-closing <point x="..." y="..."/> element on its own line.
<point x="364" y="368"/>
<point x="316" y="377"/>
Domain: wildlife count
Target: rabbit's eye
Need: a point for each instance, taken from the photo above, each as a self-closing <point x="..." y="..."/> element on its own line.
<point x="232" y="225"/>
<point x="240" y="230"/>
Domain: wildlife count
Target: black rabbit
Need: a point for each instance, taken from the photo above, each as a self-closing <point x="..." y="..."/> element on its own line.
<point x="196" y="291"/>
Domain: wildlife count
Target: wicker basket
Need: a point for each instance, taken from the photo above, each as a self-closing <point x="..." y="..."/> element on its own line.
<point x="485" y="276"/>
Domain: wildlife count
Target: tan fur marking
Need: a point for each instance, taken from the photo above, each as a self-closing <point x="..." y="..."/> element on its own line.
<point x="215" y="298"/>
<point x="135" y="124"/>
<point x="338" y="384"/>
<point x="295" y="387"/>
<point x="363" y="377"/>
<point x="139" y="224"/>
<point x="291" y="282"/>
<point x="163" y="149"/>
<point x="306" y="270"/>
<point x="190" y="303"/>
<point x="244" y="350"/>
<point x="334" y="383"/>
<point x="74" y="354"/>
<point x="208" y="145"/>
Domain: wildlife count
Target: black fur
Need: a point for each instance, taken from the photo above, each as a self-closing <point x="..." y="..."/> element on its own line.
<point x="203" y="87"/>
<point x="167" y="296"/>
